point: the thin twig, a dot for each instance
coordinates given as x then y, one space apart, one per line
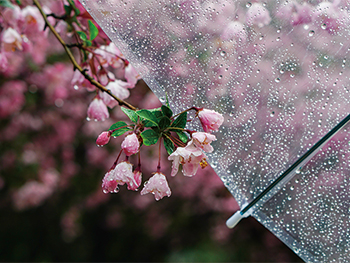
76 64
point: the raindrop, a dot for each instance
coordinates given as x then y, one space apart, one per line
76 87
88 119
324 26
223 53
277 80
248 4
272 114
311 33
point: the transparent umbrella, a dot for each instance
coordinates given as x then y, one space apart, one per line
279 72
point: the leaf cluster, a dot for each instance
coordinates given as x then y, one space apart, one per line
154 124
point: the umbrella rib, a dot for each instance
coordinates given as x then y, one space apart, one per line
289 172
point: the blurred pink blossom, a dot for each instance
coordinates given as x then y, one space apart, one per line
258 15
31 194
158 186
11 40
118 88
131 75
11 97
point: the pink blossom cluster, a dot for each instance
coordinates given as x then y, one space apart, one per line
191 157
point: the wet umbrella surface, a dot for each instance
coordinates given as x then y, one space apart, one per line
279 73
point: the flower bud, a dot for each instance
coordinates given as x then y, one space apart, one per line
103 138
210 120
131 144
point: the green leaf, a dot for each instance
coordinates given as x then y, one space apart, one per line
88 43
183 136
118 125
6 3
82 35
149 116
93 31
149 137
167 99
120 132
169 145
122 128
167 111
181 121
76 10
131 114
164 123
68 9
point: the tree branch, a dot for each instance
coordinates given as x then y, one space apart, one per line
76 64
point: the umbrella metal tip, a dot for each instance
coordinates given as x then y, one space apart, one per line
234 220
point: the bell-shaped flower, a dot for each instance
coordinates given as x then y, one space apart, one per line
120 175
135 184
118 88
210 120
97 110
158 186
190 157
103 138
131 144
203 140
11 40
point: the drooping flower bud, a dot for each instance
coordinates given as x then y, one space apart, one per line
210 120
103 138
158 186
120 175
131 144
97 110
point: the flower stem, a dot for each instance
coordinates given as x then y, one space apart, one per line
160 147
75 63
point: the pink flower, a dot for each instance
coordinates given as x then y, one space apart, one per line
234 31
120 175
3 62
31 194
33 18
158 186
131 144
118 88
97 110
190 157
131 75
211 120
103 138
203 140
135 184
11 40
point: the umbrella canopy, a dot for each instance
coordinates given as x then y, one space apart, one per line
279 73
